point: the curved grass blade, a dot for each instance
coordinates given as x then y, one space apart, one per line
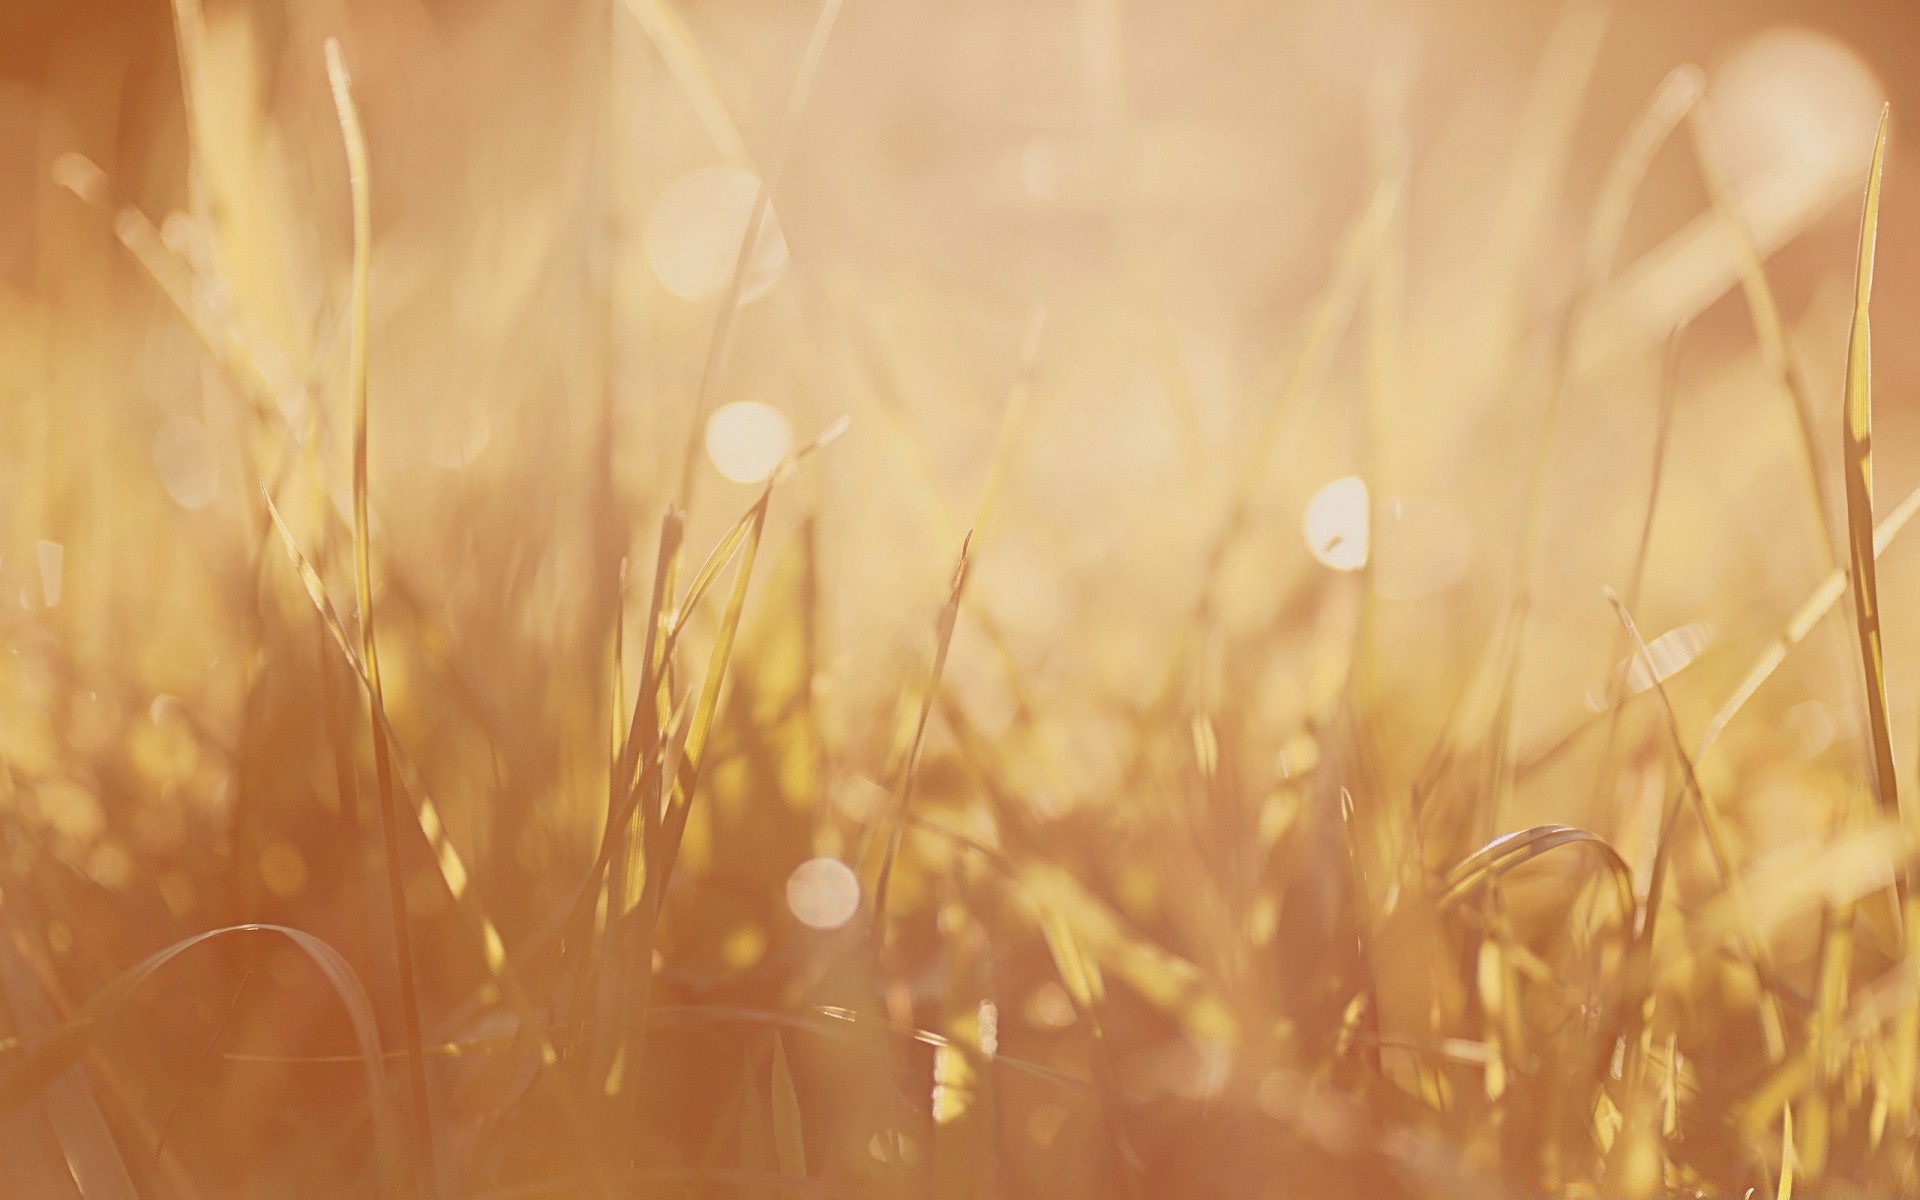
1770 329
1493 860
1672 102
46 1057
1626 174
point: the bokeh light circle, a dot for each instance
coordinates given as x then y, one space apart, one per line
746 440
823 893
1336 524
694 233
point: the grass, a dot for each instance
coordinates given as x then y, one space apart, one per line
992 795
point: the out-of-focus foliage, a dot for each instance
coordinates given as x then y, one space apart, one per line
1224 600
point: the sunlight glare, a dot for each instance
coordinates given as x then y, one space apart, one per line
1669 654
1336 524
823 893
746 440
1793 100
695 230
186 463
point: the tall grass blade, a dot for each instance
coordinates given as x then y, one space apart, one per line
1858 440
910 765
750 242
1858 433
1772 1020
357 174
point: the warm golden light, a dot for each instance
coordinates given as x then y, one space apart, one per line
746 440
52 560
1663 658
1336 524
823 893
695 231
1090 600
1790 99
186 464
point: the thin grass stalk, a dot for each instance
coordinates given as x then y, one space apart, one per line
1772 1019
783 143
1669 394
1626 173
356 147
910 765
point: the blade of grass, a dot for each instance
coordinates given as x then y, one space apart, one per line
674 756
723 552
357 171
1487 864
639 740
1490 690
1626 174
1776 351
1836 937
706 708
674 42
265 380
52 1053
70 1101
1669 395
910 765
680 776
1772 1020
1817 605
446 857
1797 880
533 1031
789 1143
1858 434
1676 97
200 1063
750 241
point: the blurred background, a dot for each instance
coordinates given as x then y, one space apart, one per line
1067 255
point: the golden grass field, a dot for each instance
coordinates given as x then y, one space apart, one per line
709 598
